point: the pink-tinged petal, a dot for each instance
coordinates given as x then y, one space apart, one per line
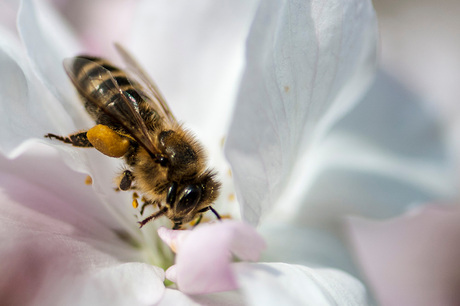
283 284
52 188
8 12
203 262
174 239
53 254
412 259
307 64
100 23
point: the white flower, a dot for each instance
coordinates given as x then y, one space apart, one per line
273 78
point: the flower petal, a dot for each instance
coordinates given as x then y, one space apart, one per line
308 62
23 114
386 156
125 284
412 259
307 246
175 297
99 23
48 41
204 256
8 14
46 261
283 284
51 188
29 109
196 53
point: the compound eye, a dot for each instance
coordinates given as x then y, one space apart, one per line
171 195
189 198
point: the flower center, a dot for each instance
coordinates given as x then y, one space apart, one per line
148 245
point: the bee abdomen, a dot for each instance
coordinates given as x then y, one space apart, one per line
101 80
89 68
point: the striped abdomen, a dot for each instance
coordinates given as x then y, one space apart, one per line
105 83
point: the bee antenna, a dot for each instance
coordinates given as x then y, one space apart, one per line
215 213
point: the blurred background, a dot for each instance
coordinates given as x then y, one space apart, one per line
420 46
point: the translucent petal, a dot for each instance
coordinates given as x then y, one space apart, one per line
308 62
283 284
383 158
386 155
308 246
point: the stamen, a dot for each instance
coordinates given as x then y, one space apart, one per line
135 202
88 180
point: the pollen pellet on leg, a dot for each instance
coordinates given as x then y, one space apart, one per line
107 141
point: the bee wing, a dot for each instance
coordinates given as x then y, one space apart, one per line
151 88
102 90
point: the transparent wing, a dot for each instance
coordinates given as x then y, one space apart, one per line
157 100
97 85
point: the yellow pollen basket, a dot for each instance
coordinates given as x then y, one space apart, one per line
107 141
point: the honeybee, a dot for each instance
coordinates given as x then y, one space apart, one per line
164 161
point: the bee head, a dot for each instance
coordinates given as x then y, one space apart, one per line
186 201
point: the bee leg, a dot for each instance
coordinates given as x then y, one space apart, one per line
177 225
77 140
151 217
146 203
126 180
